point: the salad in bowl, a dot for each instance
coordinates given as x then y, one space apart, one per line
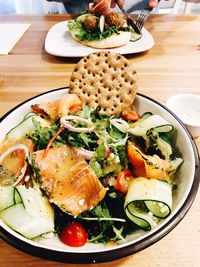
75 181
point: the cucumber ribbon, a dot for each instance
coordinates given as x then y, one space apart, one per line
155 122
26 211
148 200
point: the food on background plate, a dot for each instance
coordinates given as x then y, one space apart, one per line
101 28
84 171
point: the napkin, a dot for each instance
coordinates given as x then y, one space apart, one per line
10 33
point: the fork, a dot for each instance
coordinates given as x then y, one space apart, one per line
128 18
142 17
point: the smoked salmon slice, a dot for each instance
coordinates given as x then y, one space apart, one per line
67 179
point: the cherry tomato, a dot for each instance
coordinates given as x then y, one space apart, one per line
123 180
73 235
131 115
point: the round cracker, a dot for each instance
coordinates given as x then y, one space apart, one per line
105 79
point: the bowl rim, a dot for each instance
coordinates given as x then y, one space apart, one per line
109 255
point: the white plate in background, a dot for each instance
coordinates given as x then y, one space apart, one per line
59 42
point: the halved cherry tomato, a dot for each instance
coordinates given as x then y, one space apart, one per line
122 181
131 115
73 235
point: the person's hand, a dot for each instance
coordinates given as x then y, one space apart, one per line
113 3
152 3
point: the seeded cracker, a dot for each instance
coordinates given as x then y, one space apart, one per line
105 79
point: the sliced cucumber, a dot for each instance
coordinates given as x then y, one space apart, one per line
155 122
174 164
17 218
29 114
164 147
135 36
146 115
82 17
158 208
17 197
101 23
120 124
26 126
140 218
164 128
6 197
21 129
31 218
34 203
147 200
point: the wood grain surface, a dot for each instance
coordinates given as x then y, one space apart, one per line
171 66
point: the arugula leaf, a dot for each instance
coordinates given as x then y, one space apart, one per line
103 230
42 135
101 211
84 140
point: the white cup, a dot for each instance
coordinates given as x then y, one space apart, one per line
187 108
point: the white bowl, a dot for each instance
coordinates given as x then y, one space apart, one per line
187 181
187 108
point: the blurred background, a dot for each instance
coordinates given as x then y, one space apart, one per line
45 7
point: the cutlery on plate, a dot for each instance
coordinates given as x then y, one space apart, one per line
128 18
143 15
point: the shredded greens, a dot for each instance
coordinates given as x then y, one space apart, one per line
41 135
84 34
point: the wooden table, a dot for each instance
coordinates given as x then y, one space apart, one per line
171 66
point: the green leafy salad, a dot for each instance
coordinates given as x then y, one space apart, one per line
84 176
